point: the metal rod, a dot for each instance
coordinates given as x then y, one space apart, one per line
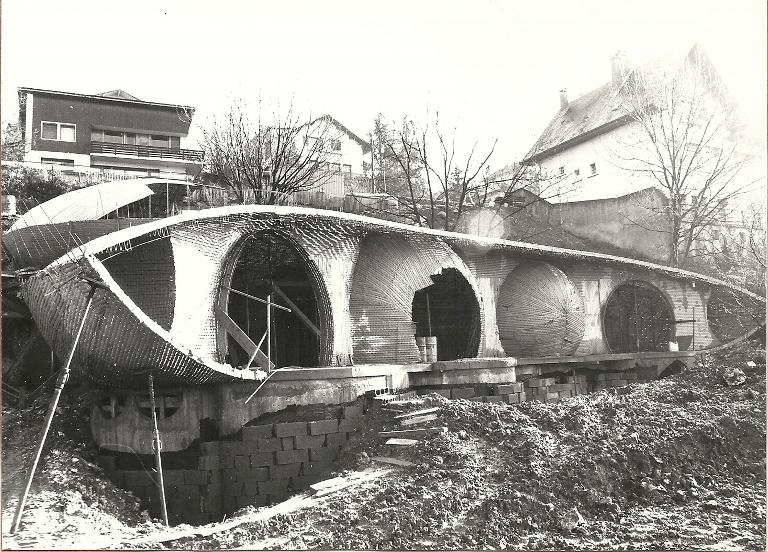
262 384
60 382
260 300
167 200
156 445
269 333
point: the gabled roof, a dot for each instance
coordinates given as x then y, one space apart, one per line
600 110
593 113
118 93
365 145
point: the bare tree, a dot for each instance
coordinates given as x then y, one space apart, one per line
687 145
417 169
427 182
265 161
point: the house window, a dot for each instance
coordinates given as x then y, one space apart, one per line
335 145
54 161
562 170
346 168
64 132
175 142
142 139
593 169
113 137
130 138
335 167
577 172
160 141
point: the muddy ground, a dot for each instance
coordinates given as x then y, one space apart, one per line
674 464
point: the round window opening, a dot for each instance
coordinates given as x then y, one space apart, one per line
637 318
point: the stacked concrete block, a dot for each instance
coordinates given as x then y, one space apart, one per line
463 392
511 393
262 466
610 380
536 389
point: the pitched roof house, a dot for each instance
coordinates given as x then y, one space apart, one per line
585 143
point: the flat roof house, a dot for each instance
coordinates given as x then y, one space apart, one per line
113 131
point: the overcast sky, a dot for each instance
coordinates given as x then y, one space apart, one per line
493 68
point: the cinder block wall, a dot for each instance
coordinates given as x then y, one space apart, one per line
261 465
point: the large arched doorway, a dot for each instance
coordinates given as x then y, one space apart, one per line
271 265
637 318
448 309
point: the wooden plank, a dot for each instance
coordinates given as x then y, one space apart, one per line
333 482
242 339
418 412
401 442
393 461
418 419
420 432
296 310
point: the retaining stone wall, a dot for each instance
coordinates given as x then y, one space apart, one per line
261 466
546 389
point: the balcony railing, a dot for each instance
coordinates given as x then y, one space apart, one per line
196 156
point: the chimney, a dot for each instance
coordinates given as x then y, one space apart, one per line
619 68
563 99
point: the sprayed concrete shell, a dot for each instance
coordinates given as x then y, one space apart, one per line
163 283
539 312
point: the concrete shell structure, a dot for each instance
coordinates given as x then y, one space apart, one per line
539 312
162 302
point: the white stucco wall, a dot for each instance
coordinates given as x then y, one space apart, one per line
606 151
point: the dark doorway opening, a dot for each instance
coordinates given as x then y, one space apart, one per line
637 318
268 259
448 309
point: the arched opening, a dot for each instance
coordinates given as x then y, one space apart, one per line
637 318
272 265
448 309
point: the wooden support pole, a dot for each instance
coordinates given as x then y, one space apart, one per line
156 444
295 309
60 382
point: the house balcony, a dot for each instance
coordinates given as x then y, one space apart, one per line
150 153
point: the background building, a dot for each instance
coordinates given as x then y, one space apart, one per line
113 131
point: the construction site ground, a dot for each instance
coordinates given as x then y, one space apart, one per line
678 463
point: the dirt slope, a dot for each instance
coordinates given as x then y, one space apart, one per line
674 464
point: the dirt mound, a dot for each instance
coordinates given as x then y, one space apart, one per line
71 503
677 463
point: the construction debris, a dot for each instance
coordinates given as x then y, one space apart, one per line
401 442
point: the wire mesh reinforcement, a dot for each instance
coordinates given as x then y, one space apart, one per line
539 312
